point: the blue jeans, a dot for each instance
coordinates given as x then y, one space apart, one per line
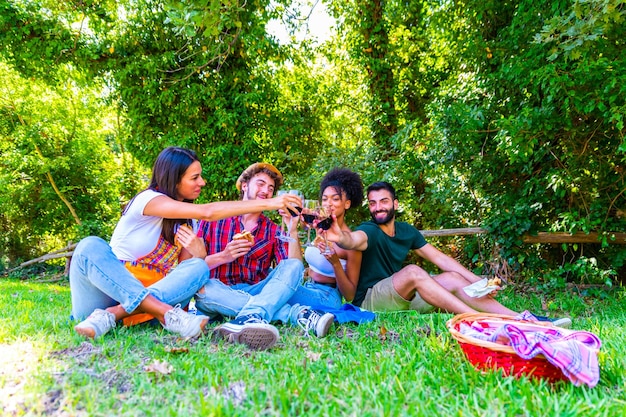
99 280
316 294
268 298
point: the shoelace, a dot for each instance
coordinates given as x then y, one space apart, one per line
103 316
111 320
253 320
307 325
174 317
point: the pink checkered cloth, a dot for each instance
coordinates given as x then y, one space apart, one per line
574 352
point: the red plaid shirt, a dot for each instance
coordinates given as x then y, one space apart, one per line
253 267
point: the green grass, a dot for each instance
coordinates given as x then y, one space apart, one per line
385 368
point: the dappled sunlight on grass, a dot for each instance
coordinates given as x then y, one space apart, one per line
21 364
30 327
400 364
18 361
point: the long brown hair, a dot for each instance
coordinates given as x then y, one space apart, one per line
167 172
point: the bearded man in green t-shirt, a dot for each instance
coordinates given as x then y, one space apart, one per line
386 285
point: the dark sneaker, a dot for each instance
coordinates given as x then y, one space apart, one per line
251 330
98 323
564 322
315 321
185 324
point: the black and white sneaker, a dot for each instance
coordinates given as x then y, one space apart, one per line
251 330
315 321
564 322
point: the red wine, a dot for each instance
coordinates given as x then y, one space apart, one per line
293 213
309 218
326 223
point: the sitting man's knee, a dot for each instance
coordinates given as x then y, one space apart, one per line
415 272
292 265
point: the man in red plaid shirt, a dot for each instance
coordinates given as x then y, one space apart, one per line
254 281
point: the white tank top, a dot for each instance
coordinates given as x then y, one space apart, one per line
318 263
136 234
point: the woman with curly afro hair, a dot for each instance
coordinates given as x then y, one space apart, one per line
336 274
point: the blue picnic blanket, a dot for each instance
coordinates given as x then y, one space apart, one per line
348 313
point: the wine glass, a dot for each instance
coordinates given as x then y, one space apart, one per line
309 215
324 223
299 208
282 235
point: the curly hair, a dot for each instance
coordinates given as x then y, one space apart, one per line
344 181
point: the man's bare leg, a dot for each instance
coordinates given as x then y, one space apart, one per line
412 278
455 283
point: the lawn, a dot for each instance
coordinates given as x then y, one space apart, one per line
400 364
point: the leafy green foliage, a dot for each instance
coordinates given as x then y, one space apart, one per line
34 41
536 139
366 30
507 115
57 171
205 80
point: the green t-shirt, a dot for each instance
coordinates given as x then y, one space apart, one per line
385 255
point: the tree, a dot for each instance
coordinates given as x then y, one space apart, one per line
57 170
534 126
503 114
365 28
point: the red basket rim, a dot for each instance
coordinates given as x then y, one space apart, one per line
485 355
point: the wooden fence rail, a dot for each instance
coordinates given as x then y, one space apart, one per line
454 232
615 238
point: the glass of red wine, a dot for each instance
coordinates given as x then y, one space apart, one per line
282 235
299 208
309 215
324 223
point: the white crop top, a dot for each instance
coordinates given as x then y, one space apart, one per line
318 263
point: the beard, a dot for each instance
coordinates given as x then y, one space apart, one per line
390 214
251 195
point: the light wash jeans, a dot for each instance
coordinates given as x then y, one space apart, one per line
317 295
99 280
268 298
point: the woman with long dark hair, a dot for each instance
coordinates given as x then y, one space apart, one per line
139 271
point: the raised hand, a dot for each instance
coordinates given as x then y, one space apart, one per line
192 243
291 222
289 202
333 232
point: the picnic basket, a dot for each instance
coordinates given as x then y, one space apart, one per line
488 355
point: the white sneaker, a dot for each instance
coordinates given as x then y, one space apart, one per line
186 325
98 323
315 321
